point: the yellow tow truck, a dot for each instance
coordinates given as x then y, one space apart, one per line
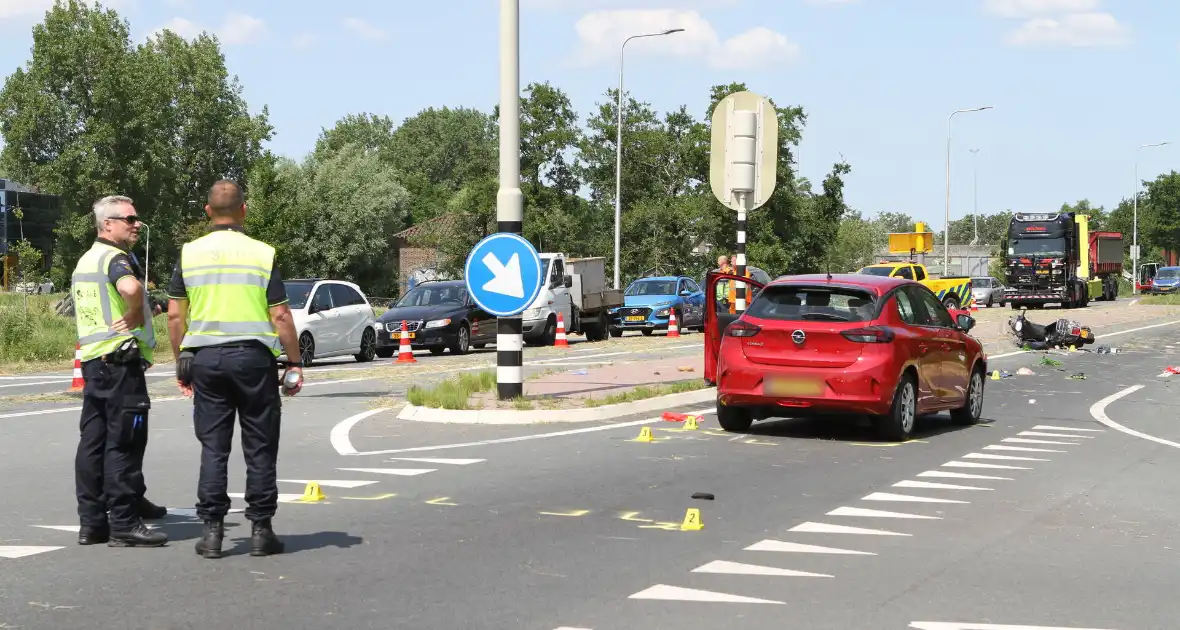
952 291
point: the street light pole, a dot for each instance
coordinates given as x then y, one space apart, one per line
1135 224
975 193
509 199
619 146
946 237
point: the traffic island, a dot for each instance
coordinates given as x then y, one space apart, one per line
573 395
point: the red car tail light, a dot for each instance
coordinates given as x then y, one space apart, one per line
869 334
742 329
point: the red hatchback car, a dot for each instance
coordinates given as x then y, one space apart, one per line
842 344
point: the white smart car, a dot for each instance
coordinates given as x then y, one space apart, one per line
333 318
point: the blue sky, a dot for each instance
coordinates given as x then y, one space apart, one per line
1077 85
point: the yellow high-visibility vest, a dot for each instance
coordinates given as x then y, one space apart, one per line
225 274
98 303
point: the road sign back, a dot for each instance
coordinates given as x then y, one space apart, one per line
504 274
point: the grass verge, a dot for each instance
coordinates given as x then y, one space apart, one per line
1160 300
454 392
647 391
35 338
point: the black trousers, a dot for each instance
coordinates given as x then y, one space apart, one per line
113 435
242 380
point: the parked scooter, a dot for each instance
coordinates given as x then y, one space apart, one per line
1060 334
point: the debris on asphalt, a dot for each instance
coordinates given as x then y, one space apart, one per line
1032 401
579 372
704 496
1045 360
686 368
1025 372
1080 376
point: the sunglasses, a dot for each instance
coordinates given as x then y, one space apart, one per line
130 219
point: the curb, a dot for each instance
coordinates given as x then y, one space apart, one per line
547 416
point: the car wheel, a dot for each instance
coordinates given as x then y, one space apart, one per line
368 346
616 332
306 349
647 332
951 303
734 419
898 425
385 353
462 341
972 408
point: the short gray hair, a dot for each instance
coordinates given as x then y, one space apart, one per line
104 206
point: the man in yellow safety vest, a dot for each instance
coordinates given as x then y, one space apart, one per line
116 342
229 322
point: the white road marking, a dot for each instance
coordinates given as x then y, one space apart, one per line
738 568
62 528
35 383
1098 411
790 547
935 486
957 464
535 436
402 472
1049 427
956 625
339 435
13 552
853 511
1102 336
1007 457
192 512
332 483
825 528
1017 440
905 498
1026 449
284 497
437 460
1057 435
679 593
947 474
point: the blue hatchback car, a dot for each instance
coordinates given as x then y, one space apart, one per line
648 303
1166 281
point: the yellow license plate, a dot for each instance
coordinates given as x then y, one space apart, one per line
398 335
1042 272
792 387
635 318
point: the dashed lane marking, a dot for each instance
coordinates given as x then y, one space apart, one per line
437 460
935 486
905 498
678 593
1017 440
1026 449
738 568
793 547
948 474
958 464
854 511
332 483
12 552
1056 435
1048 427
401 472
1004 457
826 528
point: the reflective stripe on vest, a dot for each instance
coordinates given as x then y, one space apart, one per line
94 294
226 274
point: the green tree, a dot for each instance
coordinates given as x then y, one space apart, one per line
91 115
1163 201
370 131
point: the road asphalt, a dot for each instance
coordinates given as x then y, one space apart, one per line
577 526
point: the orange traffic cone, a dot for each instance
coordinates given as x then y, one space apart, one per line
405 354
673 325
79 382
561 341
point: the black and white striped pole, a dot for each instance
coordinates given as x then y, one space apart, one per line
509 200
743 164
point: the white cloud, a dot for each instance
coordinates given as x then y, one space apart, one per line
237 28
584 5
601 33
364 29
305 41
1080 29
1038 8
35 9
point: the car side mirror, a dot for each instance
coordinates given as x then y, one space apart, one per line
568 282
965 322
685 293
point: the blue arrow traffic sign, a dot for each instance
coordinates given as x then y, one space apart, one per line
504 274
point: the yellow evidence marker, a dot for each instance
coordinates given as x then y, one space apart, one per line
644 435
312 493
692 520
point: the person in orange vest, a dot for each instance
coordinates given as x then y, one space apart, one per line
732 291
722 292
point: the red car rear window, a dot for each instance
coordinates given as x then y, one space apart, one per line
798 303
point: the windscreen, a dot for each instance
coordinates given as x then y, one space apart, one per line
802 303
1047 247
652 287
876 271
434 295
297 293
1172 272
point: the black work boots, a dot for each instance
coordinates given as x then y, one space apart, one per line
209 545
263 541
138 536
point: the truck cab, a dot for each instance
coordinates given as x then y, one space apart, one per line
953 292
